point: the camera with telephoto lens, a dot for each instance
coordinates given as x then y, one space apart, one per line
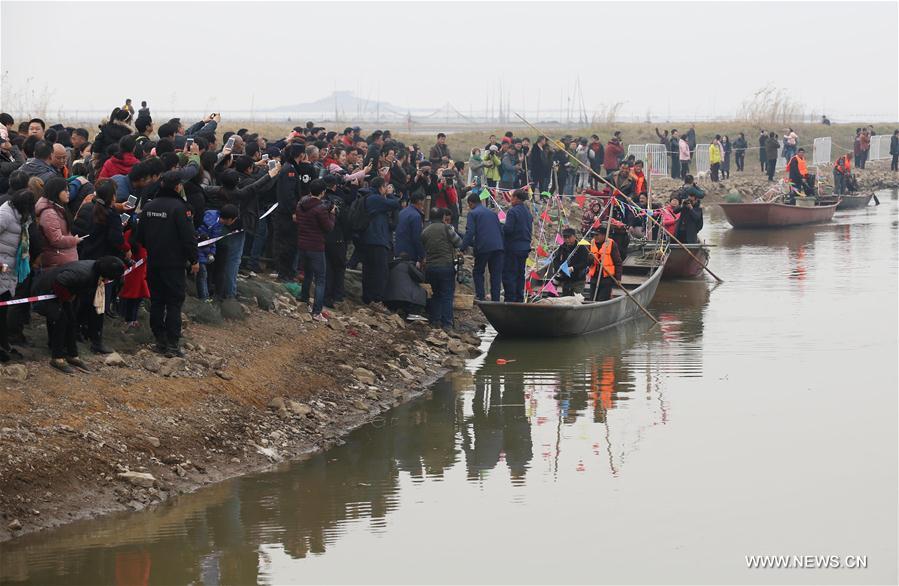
448 173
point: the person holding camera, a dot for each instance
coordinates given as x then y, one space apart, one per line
375 240
441 242
314 218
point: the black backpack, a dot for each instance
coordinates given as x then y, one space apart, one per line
358 216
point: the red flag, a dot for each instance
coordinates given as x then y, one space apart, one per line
541 252
544 216
580 199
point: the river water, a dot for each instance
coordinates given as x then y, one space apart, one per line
760 418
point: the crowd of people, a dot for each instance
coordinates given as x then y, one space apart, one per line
95 223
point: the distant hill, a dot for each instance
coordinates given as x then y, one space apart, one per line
345 102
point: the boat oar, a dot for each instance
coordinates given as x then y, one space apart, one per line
559 145
632 298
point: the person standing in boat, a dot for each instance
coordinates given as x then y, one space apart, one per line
606 265
797 172
690 221
841 171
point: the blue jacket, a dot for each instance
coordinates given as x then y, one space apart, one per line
518 228
378 231
408 234
483 230
122 187
210 228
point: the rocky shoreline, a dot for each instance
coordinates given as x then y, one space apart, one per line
752 183
264 387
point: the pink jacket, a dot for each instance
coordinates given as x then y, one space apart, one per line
669 220
684 150
60 246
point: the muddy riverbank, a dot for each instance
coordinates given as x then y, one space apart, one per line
267 387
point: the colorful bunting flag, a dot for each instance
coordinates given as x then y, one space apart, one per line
502 216
541 252
530 263
544 216
485 194
580 199
583 243
565 268
546 194
551 289
534 276
559 240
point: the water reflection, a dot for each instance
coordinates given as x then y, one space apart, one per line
497 416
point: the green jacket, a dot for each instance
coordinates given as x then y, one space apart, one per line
491 166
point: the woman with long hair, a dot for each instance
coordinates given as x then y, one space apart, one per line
55 223
15 216
100 226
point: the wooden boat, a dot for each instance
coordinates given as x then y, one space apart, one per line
850 202
679 265
550 320
775 215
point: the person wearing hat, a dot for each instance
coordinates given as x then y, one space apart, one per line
606 264
492 164
166 231
68 283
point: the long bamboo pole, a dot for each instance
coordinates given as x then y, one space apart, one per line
629 200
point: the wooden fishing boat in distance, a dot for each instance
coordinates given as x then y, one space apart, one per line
551 320
680 265
775 215
854 202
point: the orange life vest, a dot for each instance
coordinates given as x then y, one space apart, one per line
803 168
843 165
640 185
602 256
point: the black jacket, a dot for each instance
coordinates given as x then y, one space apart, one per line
538 165
66 282
689 224
166 231
103 239
287 192
579 261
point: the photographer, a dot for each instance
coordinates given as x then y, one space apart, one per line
690 222
447 196
315 219
441 242
339 197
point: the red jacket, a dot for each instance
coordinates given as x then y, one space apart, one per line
313 222
134 285
117 166
614 152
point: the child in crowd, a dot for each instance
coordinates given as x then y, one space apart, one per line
134 285
211 227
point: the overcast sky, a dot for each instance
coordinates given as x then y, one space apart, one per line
676 59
